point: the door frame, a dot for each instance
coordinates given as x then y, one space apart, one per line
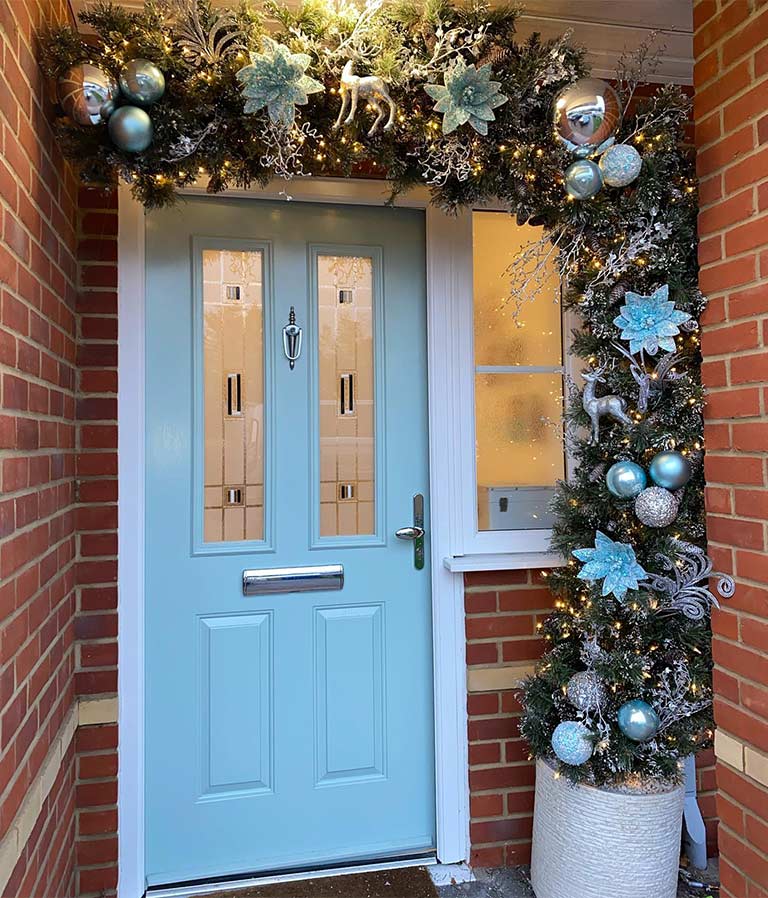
447 313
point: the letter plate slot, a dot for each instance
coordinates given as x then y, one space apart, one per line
308 578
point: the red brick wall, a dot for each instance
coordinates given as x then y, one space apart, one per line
502 609
96 624
731 112
37 437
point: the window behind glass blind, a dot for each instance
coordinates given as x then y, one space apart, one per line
518 383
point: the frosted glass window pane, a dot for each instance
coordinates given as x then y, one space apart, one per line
519 449
532 336
233 400
347 437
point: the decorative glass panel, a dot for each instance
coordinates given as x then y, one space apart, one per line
346 382
233 384
518 382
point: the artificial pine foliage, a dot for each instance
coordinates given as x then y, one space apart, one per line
630 239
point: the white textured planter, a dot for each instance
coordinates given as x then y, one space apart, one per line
588 843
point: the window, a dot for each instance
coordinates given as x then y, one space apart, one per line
518 358
505 383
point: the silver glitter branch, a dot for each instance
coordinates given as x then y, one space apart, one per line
686 590
532 271
445 159
649 235
671 698
285 144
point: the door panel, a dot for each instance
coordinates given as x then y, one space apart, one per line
285 731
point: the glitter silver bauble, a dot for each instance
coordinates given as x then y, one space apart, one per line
83 90
130 129
625 479
620 165
586 114
583 179
638 721
571 742
585 690
656 507
142 82
672 470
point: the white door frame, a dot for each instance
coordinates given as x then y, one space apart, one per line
446 314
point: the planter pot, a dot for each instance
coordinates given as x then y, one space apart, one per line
589 843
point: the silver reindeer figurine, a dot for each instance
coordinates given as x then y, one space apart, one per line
598 406
373 90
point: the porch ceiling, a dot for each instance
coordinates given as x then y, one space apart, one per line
605 27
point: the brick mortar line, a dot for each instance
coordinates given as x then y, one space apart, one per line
29 528
22 569
742 678
42 729
757 718
751 845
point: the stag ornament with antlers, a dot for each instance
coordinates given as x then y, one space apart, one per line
599 406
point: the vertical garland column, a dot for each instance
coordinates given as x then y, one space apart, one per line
623 693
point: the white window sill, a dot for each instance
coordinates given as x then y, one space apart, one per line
507 561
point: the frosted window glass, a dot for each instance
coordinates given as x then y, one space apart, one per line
518 383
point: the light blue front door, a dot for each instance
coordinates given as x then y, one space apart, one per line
294 729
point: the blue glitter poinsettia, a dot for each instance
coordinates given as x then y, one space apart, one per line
277 79
613 563
650 322
468 95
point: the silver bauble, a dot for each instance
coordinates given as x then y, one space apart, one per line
638 721
656 507
585 690
586 114
83 90
671 469
620 165
571 742
625 479
142 82
583 179
130 129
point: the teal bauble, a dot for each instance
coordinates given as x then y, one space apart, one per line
583 179
638 721
571 742
142 82
130 129
670 470
620 165
625 480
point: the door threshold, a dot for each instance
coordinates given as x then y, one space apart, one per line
231 885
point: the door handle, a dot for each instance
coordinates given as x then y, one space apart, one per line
415 533
410 533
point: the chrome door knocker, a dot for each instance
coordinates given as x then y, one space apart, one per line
292 334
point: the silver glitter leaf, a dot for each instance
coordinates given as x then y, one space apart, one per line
686 590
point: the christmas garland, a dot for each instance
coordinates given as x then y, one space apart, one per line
441 95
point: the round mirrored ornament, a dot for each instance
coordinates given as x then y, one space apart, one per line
586 114
585 690
656 507
620 165
638 721
583 179
571 742
671 469
83 91
625 479
142 82
130 129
